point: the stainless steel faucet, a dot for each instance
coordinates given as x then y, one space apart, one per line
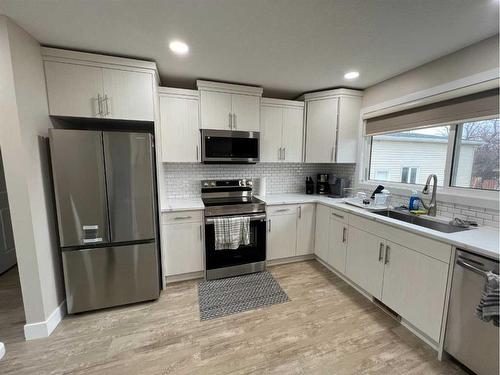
432 207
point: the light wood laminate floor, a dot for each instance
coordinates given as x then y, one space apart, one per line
326 328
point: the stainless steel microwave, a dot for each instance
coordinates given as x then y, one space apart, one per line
227 146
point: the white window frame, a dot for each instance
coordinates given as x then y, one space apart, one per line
446 193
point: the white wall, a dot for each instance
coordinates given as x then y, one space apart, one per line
477 58
24 118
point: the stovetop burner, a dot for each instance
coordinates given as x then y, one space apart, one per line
230 197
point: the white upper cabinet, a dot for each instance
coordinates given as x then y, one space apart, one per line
229 107
216 112
282 128
94 86
332 124
179 125
128 95
321 130
73 90
246 112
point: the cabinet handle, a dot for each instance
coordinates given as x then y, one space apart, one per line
201 237
331 156
337 215
284 153
182 217
197 153
380 250
230 121
279 154
106 99
300 212
234 121
99 105
387 254
270 221
344 237
282 210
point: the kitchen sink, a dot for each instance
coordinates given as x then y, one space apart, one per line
420 221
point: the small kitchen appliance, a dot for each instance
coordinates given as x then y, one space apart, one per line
337 187
322 183
309 185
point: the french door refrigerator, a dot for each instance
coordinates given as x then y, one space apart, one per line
106 210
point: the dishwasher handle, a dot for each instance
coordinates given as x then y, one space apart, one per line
472 268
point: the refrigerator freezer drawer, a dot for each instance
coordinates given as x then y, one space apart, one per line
110 276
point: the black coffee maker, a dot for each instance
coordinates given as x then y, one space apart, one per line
322 183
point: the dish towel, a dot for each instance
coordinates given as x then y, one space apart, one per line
487 309
231 232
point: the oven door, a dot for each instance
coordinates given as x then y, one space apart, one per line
225 146
254 252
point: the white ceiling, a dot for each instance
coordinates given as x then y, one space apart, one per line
286 46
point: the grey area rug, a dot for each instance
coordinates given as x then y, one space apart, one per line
237 294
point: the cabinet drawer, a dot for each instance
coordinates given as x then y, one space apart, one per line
286 209
339 215
181 217
420 243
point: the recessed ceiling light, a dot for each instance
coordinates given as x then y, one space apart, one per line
351 75
178 47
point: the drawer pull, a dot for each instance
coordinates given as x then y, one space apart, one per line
387 254
380 250
283 210
182 217
337 215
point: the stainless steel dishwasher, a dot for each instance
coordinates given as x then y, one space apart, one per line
468 339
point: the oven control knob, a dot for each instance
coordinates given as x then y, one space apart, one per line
205 184
212 183
249 183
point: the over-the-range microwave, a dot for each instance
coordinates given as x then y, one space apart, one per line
228 146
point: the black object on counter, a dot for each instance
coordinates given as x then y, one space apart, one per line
377 191
309 185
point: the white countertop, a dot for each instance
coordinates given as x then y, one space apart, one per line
483 240
182 204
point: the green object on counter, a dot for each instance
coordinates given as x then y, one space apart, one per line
418 212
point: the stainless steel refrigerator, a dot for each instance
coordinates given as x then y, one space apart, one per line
106 210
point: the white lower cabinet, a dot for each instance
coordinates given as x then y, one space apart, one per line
415 287
321 241
281 240
306 228
182 243
365 260
337 250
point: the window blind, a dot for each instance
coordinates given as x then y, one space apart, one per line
459 109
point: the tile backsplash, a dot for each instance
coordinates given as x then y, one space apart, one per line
183 179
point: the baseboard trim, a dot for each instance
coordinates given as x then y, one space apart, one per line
298 258
2 350
43 329
184 277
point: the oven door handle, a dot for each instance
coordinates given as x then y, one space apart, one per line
211 220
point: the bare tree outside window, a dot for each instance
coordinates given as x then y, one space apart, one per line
479 168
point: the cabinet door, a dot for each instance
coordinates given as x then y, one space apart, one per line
246 112
280 241
216 112
73 89
364 261
322 230
347 142
128 95
182 248
321 128
180 133
270 133
306 228
414 287
293 133
337 245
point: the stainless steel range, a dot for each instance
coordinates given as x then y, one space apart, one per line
233 198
